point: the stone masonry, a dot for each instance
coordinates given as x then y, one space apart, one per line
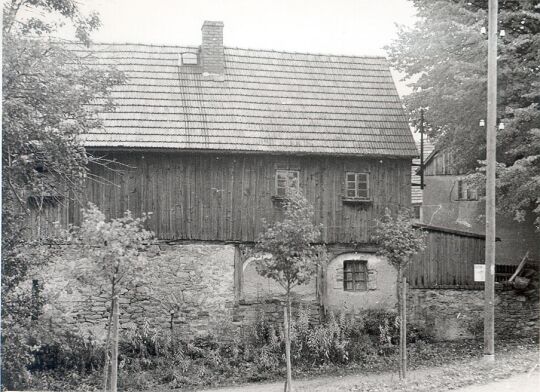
458 314
188 288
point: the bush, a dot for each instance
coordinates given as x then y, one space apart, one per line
151 357
43 356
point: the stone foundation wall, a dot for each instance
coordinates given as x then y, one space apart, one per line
189 288
247 313
459 314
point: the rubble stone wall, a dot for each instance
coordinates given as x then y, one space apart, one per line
459 314
188 287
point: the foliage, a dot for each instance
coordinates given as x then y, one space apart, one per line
43 351
152 357
285 248
445 57
45 108
288 256
156 359
114 250
47 92
398 240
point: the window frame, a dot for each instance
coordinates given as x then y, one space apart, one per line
277 187
356 184
466 192
359 275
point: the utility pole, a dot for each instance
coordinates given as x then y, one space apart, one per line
489 297
422 149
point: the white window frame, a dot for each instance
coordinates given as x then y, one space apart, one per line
356 182
284 174
465 191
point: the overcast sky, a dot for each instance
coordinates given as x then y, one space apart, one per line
355 27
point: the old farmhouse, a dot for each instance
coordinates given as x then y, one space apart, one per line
206 137
209 135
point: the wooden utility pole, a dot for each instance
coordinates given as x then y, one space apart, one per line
422 149
489 312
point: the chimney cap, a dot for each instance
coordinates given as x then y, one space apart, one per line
215 23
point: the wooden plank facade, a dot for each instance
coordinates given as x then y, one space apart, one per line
224 197
447 261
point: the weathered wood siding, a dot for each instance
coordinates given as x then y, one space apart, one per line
442 164
224 197
447 261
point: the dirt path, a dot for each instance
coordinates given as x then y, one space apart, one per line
528 382
427 379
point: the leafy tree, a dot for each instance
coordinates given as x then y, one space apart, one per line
287 255
115 263
398 241
445 57
46 92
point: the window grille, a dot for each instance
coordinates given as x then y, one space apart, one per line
286 179
355 275
357 185
466 191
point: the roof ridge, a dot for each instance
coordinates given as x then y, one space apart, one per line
359 56
308 53
130 43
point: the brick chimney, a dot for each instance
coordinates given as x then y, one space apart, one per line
212 57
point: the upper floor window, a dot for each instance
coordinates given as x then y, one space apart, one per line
355 275
287 179
357 185
466 191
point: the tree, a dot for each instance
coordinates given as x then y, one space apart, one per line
445 55
115 261
287 255
47 90
398 241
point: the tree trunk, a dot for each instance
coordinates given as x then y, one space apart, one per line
403 342
107 350
400 313
287 330
114 355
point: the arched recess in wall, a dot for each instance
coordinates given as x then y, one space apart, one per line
257 288
358 281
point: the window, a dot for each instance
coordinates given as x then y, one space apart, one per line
286 179
39 202
466 191
357 185
355 275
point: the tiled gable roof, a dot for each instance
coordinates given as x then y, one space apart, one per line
266 102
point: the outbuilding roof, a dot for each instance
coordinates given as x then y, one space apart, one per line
266 101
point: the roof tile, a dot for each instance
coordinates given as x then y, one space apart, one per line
269 101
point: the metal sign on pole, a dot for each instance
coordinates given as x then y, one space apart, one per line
489 312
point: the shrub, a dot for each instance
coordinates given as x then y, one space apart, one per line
150 357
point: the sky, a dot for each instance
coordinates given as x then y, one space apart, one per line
349 27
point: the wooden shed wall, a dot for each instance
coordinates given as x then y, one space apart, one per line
224 197
447 261
441 164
